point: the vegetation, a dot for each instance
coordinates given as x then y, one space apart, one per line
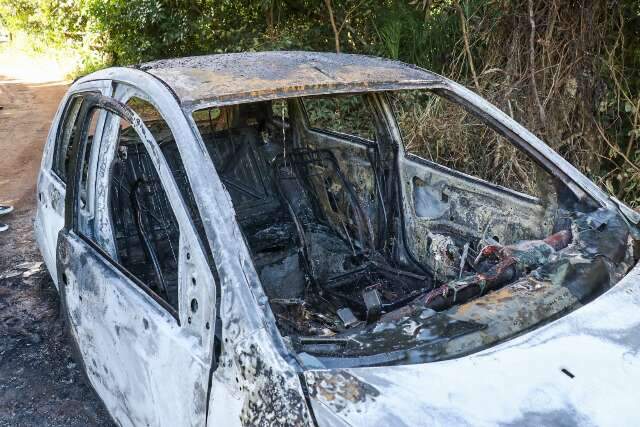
570 71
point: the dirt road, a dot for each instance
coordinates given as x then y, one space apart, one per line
40 385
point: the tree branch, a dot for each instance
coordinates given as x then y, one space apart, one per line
532 65
336 32
467 48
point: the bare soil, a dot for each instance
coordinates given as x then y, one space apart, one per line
40 384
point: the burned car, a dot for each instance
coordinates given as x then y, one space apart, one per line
295 238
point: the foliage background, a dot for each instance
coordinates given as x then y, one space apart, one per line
567 69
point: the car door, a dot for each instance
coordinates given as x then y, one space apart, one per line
464 182
52 180
142 316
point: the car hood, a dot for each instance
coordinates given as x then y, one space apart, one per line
581 369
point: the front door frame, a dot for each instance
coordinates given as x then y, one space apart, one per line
193 330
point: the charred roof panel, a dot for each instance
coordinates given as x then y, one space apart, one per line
243 77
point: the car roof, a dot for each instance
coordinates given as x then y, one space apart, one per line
246 77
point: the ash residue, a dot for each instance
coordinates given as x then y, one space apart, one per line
272 399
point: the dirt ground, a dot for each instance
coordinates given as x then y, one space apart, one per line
40 385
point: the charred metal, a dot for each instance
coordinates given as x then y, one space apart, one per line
230 260
327 221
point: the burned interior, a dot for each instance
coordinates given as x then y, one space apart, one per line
369 254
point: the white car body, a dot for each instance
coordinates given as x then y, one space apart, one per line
156 365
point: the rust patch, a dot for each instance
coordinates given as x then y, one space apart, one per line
340 389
